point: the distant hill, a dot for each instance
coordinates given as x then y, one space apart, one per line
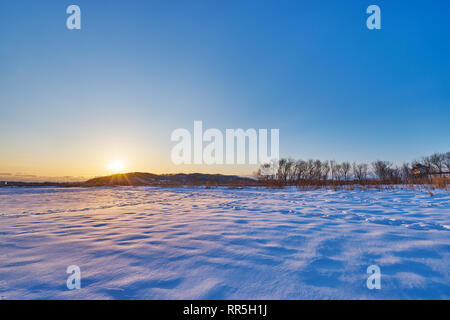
149 179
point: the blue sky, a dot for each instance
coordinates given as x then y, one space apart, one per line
73 100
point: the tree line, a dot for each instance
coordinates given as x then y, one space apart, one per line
287 171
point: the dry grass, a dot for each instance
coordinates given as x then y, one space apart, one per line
440 182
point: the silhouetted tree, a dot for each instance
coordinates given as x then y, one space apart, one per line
382 169
346 167
360 171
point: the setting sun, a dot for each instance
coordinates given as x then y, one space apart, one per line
116 166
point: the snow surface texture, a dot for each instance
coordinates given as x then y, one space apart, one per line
196 243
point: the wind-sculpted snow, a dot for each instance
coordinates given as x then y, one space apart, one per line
196 243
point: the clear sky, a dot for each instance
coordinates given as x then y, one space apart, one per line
73 101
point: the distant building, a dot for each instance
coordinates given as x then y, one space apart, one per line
419 170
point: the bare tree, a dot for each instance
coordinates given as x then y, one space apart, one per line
325 170
333 169
300 171
310 170
382 169
360 171
438 162
406 172
338 172
346 167
395 175
285 170
428 164
317 170
447 161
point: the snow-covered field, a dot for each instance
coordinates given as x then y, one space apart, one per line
196 243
